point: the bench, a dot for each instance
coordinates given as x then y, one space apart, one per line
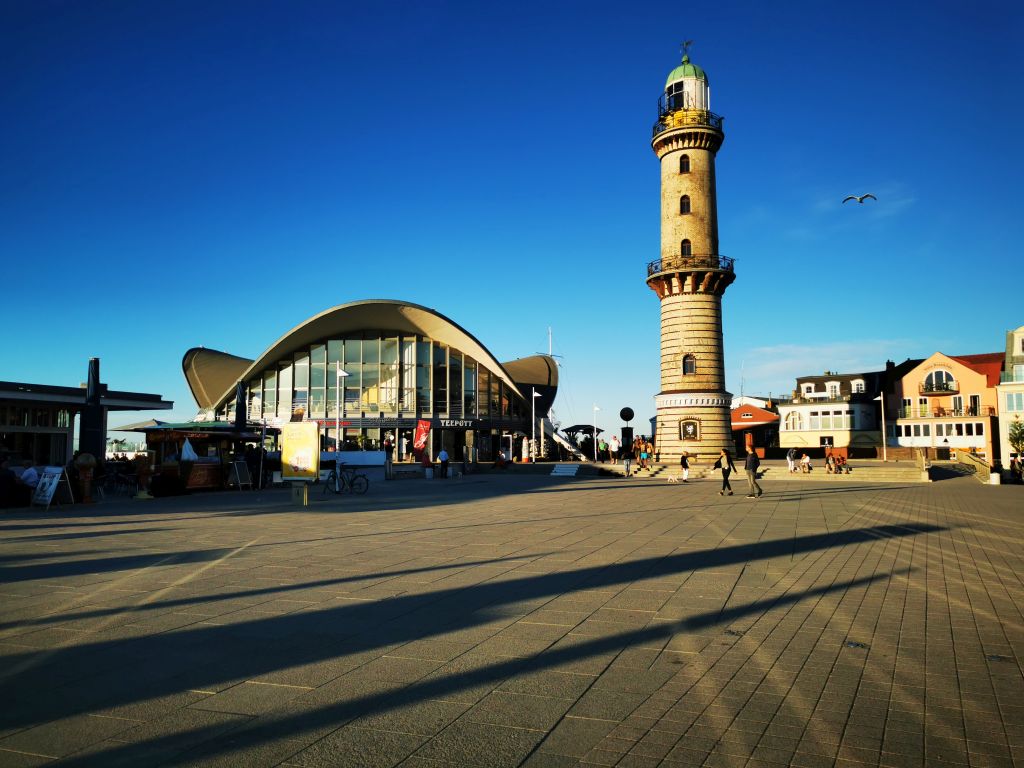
398 471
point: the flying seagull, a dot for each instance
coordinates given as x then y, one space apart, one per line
860 199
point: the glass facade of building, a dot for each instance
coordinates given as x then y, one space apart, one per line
393 381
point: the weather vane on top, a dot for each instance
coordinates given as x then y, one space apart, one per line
685 46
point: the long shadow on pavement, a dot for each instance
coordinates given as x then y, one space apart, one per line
214 742
214 654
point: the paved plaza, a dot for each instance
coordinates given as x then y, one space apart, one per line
519 620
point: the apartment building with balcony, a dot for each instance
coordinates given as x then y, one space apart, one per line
838 412
948 403
1010 391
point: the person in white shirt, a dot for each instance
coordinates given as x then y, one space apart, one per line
613 449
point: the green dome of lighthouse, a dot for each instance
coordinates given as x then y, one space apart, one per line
686 69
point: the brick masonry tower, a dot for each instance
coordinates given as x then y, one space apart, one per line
691 276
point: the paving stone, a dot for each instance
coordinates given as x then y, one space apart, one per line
352 747
519 710
480 744
62 737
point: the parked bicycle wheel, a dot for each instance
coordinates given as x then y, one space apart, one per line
360 484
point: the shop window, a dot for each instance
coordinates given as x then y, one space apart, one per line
469 389
684 204
423 399
684 164
440 378
408 374
455 383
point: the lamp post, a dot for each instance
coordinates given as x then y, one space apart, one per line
533 422
596 409
339 375
885 437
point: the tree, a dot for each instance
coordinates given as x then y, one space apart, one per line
1017 435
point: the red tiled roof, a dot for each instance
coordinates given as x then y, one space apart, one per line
989 363
758 416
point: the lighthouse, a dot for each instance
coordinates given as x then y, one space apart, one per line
691 276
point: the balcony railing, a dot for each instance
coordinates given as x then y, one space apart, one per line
680 118
939 388
685 263
924 412
806 400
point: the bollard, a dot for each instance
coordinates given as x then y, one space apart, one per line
300 494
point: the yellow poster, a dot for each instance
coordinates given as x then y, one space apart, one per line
300 450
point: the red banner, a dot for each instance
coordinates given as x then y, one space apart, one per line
419 441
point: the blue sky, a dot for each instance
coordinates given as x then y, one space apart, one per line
198 173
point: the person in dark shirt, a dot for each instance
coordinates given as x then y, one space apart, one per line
8 485
725 464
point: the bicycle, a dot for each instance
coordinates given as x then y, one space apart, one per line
350 481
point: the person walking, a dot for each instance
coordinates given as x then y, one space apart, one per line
725 464
442 457
750 465
791 460
627 462
684 462
613 449
389 455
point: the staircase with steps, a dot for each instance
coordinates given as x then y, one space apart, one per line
565 470
864 471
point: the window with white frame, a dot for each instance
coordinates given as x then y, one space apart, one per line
1014 401
794 421
832 388
857 386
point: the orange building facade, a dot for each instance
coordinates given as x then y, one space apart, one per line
948 403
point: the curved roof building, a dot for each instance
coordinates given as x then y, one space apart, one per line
400 363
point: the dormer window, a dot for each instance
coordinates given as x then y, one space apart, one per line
832 388
857 386
684 204
808 389
684 164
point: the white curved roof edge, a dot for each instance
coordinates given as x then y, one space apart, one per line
379 314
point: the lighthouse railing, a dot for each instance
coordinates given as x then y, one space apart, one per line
698 261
